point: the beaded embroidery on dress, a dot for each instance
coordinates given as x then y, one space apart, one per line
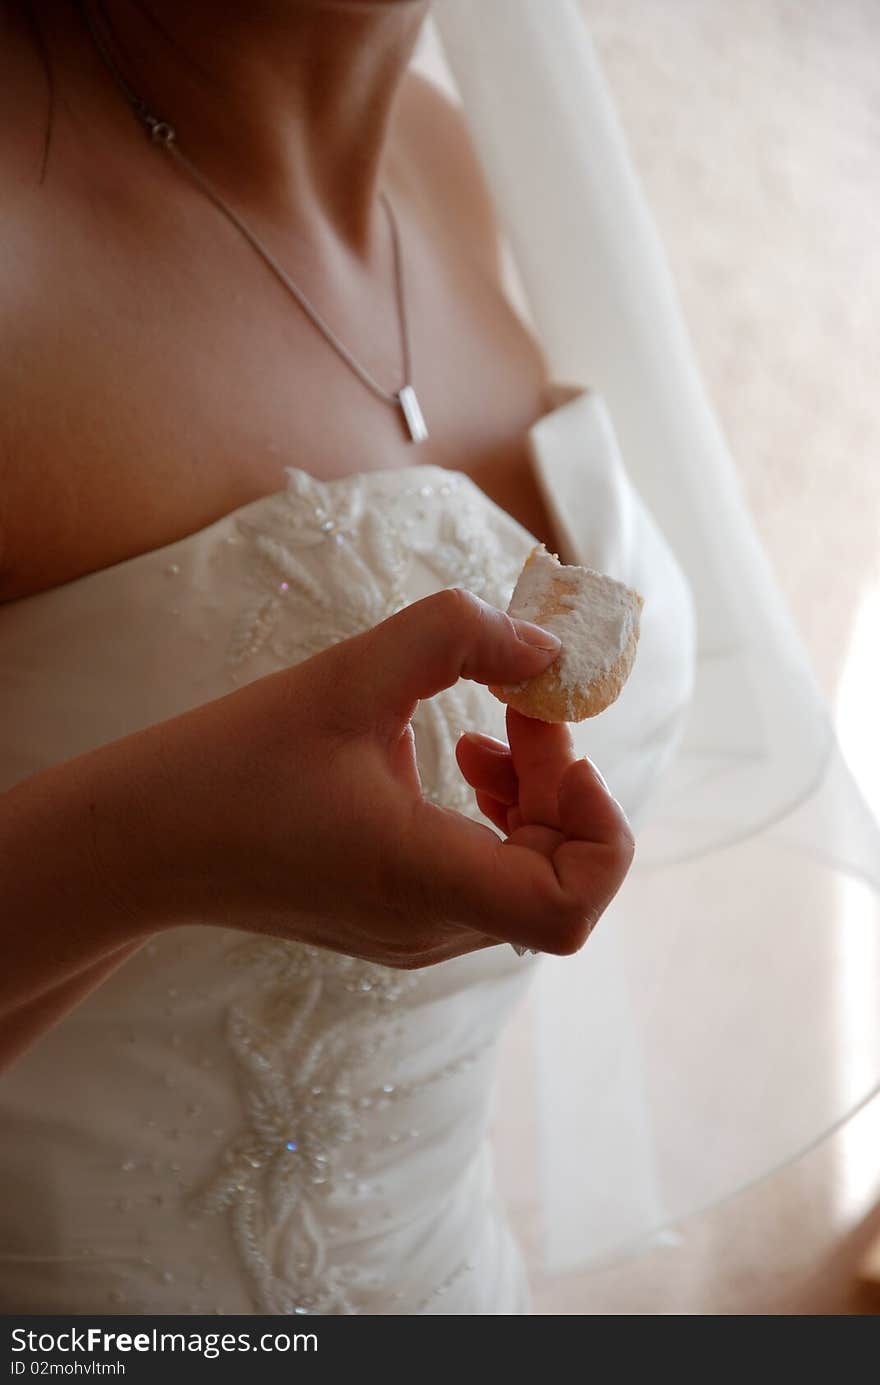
374 532
298 1076
282 1129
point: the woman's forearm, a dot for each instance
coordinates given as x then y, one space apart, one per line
74 850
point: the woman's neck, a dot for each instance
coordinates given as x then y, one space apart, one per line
285 104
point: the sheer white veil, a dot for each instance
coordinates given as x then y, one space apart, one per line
725 1014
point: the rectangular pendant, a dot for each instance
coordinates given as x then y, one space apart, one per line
409 407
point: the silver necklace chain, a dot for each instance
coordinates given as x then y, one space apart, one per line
164 134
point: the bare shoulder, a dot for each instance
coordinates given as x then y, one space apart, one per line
433 130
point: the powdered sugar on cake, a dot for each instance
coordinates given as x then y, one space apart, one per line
597 621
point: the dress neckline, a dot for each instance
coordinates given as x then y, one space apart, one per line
559 398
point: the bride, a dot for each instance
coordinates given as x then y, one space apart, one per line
255 918
264 832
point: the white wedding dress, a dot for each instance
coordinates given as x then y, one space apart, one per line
239 1124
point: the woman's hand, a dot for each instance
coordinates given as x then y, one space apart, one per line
517 785
293 806
523 788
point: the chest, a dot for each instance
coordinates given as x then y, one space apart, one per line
151 394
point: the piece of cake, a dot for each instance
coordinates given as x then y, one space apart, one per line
597 620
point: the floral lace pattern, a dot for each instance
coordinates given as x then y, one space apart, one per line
329 561
364 582
324 563
303 1112
299 1113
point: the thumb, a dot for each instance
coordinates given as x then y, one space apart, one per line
432 643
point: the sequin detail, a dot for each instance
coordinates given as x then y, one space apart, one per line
320 563
300 603
304 1107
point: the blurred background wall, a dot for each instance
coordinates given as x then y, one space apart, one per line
755 127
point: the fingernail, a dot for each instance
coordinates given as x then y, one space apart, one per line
537 636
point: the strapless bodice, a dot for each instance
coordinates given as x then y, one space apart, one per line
245 1124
